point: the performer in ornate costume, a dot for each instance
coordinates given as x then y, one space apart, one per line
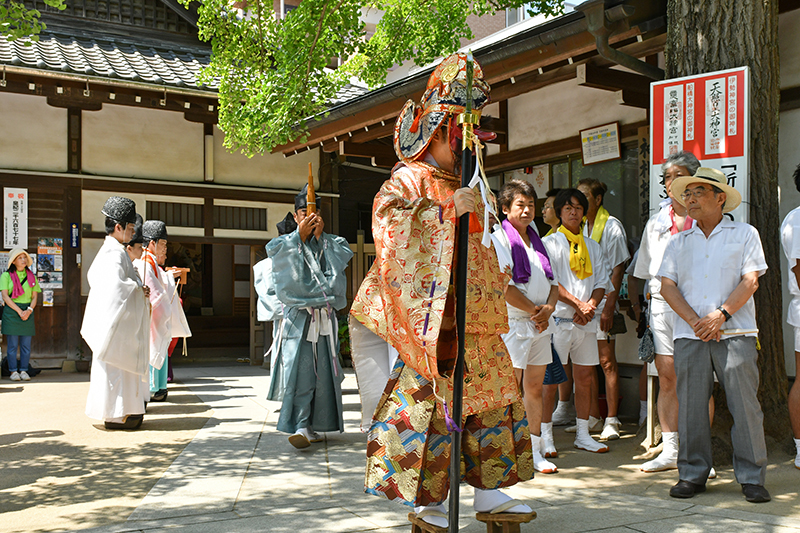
308 276
403 323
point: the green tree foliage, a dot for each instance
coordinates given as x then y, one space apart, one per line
17 21
272 74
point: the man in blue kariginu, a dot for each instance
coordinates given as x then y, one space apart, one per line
308 274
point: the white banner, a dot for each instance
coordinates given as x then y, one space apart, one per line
708 115
15 218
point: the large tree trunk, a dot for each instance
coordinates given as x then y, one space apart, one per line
721 34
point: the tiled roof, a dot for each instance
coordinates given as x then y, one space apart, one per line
174 66
108 58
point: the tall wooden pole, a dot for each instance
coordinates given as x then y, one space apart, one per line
461 307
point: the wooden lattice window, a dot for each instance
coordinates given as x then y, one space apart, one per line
247 218
175 214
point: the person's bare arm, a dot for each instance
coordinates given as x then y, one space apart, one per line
515 297
542 316
9 302
710 326
607 318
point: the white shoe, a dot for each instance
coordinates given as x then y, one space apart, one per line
24 376
561 416
595 425
584 441
540 464
668 458
712 474
548 445
15 376
797 461
494 501
435 515
610 429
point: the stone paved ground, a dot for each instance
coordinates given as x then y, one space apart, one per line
210 460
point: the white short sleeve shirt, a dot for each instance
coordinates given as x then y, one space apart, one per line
708 270
558 249
613 243
790 241
537 288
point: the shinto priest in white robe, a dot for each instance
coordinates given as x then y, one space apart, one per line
116 326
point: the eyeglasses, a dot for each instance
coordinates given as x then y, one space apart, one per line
697 193
546 207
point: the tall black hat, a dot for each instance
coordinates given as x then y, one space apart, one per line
120 209
154 230
287 225
301 200
137 230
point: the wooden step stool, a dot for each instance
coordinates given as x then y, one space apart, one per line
421 526
504 522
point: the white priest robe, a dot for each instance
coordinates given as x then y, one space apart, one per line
179 327
161 302
116 326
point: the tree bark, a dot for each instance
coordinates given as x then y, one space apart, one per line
716 35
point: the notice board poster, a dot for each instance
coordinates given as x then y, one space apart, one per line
600 144
708 115
50 263
15 218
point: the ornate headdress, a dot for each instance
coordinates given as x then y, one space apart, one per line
446 94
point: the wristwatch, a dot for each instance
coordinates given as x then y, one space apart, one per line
724 312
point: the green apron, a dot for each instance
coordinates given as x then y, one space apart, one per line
14 325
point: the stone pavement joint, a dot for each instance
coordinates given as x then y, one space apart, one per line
238 473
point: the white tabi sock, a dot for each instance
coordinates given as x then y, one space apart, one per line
797 459
437 521
487 500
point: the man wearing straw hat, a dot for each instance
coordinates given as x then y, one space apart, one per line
709 275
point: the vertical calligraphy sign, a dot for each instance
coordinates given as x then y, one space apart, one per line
708 115
15 218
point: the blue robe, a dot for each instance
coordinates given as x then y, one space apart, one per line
309 280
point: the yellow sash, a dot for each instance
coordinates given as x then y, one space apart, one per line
599 224
552 231
579 261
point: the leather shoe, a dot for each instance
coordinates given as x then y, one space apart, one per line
685 489
755 493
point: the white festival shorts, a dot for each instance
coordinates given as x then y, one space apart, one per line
662 325
525 345
576 344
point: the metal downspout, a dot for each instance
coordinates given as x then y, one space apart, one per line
596 17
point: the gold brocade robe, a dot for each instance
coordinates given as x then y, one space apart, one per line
402 298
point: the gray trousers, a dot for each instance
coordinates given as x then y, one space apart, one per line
734 361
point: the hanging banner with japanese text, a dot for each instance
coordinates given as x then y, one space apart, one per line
708 115
15 218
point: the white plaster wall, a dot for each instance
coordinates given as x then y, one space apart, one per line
789 46
142 143
36 134
561 110
268 170
92 202
789 198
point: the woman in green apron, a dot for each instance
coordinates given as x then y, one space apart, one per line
19 288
